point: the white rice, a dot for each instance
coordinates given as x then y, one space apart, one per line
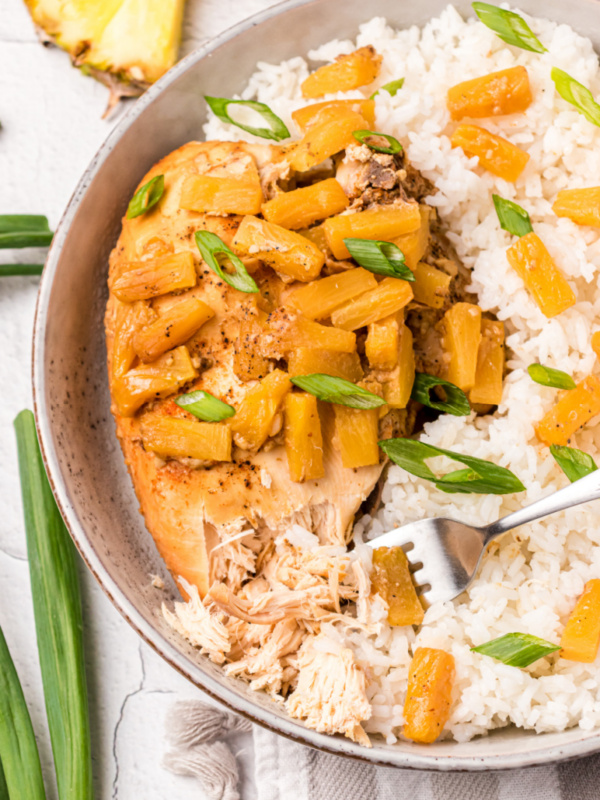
532 578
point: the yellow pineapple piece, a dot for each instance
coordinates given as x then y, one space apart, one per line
574 409
414 245
131 317
383 341
505 92
490 364
301 207
326 137
431 286
356 435
462 336
248 363
173 437
392 581
311 361
258 416
287 331
347 72
580 205
389 296
497 155
316 235
318 299
397 386
385 224
142 280
205 193
305 117
303 438
172 328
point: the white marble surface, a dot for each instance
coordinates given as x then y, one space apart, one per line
51 128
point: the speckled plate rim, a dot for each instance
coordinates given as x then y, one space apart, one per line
418 758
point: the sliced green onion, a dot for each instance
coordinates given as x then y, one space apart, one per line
277 129
18 749
205 406
3 786
574 463
577 94
513 218
7 270
211 246
456 401
363 137
337 390
383 258
58 619
391 88
146 197
480 477
510 27
24 230
517 649
548 376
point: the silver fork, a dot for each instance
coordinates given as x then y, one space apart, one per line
444 554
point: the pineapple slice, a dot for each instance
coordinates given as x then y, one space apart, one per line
347 72
206 193
356 435
571 412
125 44
490 364
497 155
143 280
580 205
172 437
462 336
303 438
389 296
391 580
311 361
414 245
385 223
397 387
383 341
131 317
431 286
248 363
331 132
286 331
258 416
320 298
304 117
172 328
505 92
301 207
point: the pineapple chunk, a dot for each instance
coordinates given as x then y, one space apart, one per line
248 363
385 224
490 364
389 296
326 137
222 196
534 264
383 342
596 343
580 205
347 72
142 280
397 387
258 416
317 236
493 95
356 435
304 117
130 319
301 207
414 245
288 253
429 694
303 438
391 580
462 336
495 154
321 297
172 328
173 437
286 331
153 381
572 411
309 361
431 286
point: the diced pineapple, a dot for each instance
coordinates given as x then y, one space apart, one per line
397 386
356 436
321 297
142 280
383 341
385 224
287 331
429 694
301 207
534 264
347 72
490 364
173 437
389 296
580 205
414 245
152 381
303 438
223 196
596 343
391 580
258 416
316 235
172 328
248 363
131 317
305 117
462 336
311 361
493 95
431 286
495 154
572 411
286 252
326 137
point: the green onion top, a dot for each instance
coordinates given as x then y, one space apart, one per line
577 94
276 129
479 477
146 197
548 376
456 401
372 140
510 27
383 258
391 88
517 649
211 246
574 463
513 218
337 390
24 230
205 406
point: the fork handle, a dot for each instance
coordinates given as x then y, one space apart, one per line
581 491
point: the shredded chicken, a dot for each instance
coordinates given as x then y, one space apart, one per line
199 625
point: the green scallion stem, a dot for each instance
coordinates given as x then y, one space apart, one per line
58 619
6 270
3 786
